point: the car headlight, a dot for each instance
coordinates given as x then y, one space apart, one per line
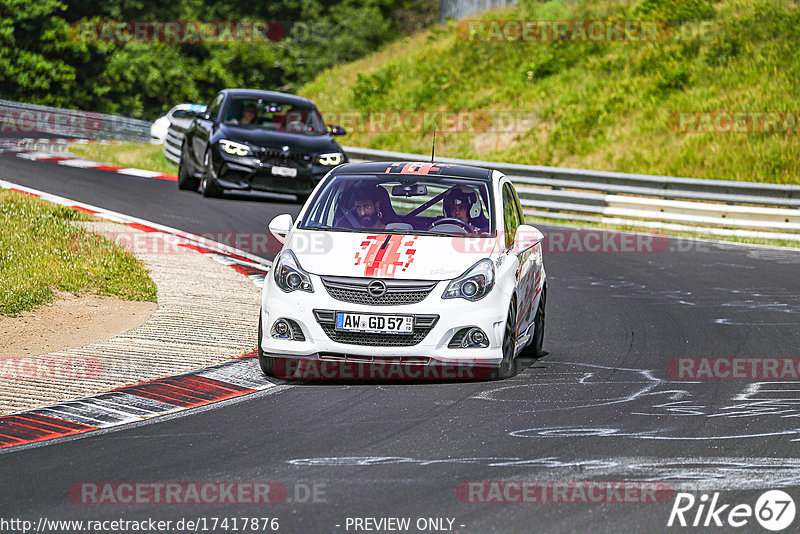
232 147
289 275
473 284
332 159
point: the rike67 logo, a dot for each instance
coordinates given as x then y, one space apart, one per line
774 510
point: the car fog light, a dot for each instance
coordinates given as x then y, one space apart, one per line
281 328
477 337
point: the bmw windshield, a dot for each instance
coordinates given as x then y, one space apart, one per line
274 115
430 205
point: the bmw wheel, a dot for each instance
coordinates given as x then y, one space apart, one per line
185 180
209 186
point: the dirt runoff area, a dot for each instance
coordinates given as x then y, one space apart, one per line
70 321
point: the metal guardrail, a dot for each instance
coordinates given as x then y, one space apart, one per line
716 207
21 118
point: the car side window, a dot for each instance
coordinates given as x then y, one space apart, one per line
520 213
216 105
511 215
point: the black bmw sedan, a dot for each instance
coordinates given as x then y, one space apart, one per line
258 140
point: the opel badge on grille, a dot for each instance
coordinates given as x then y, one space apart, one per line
376 288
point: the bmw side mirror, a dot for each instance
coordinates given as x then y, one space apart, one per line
281 225
526 237
337 130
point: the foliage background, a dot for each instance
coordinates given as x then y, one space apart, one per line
42 61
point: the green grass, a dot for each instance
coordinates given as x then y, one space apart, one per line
604 106
136 155
41 250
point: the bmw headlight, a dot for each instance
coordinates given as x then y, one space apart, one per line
289 275
332 159
234 148
473 284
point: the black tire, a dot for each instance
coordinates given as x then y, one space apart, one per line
301 199
267 363
185 180
534 348
209 186
508 365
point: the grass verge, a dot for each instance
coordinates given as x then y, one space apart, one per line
41 250
136 155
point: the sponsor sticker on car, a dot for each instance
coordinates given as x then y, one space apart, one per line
374 324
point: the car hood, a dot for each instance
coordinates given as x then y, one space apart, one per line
266 138
382 255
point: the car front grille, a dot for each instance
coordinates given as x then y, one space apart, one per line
423 324
398 292
276 156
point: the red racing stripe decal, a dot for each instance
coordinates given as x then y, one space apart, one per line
383 254
377 253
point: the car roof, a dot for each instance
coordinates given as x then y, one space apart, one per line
267 95
414 168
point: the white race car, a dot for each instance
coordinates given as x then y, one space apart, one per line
405 264
159 128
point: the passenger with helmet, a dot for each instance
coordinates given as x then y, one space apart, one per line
461 202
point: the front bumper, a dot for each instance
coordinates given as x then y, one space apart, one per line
247 173
452 315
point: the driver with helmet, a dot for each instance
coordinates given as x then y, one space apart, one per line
461 202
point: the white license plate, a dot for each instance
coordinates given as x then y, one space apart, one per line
284 171
374 324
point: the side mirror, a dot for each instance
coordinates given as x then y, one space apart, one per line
281 225
337 130
526 237
204 115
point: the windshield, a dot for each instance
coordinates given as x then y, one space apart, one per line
433 205
274 115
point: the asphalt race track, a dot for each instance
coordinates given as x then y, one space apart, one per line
600 406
